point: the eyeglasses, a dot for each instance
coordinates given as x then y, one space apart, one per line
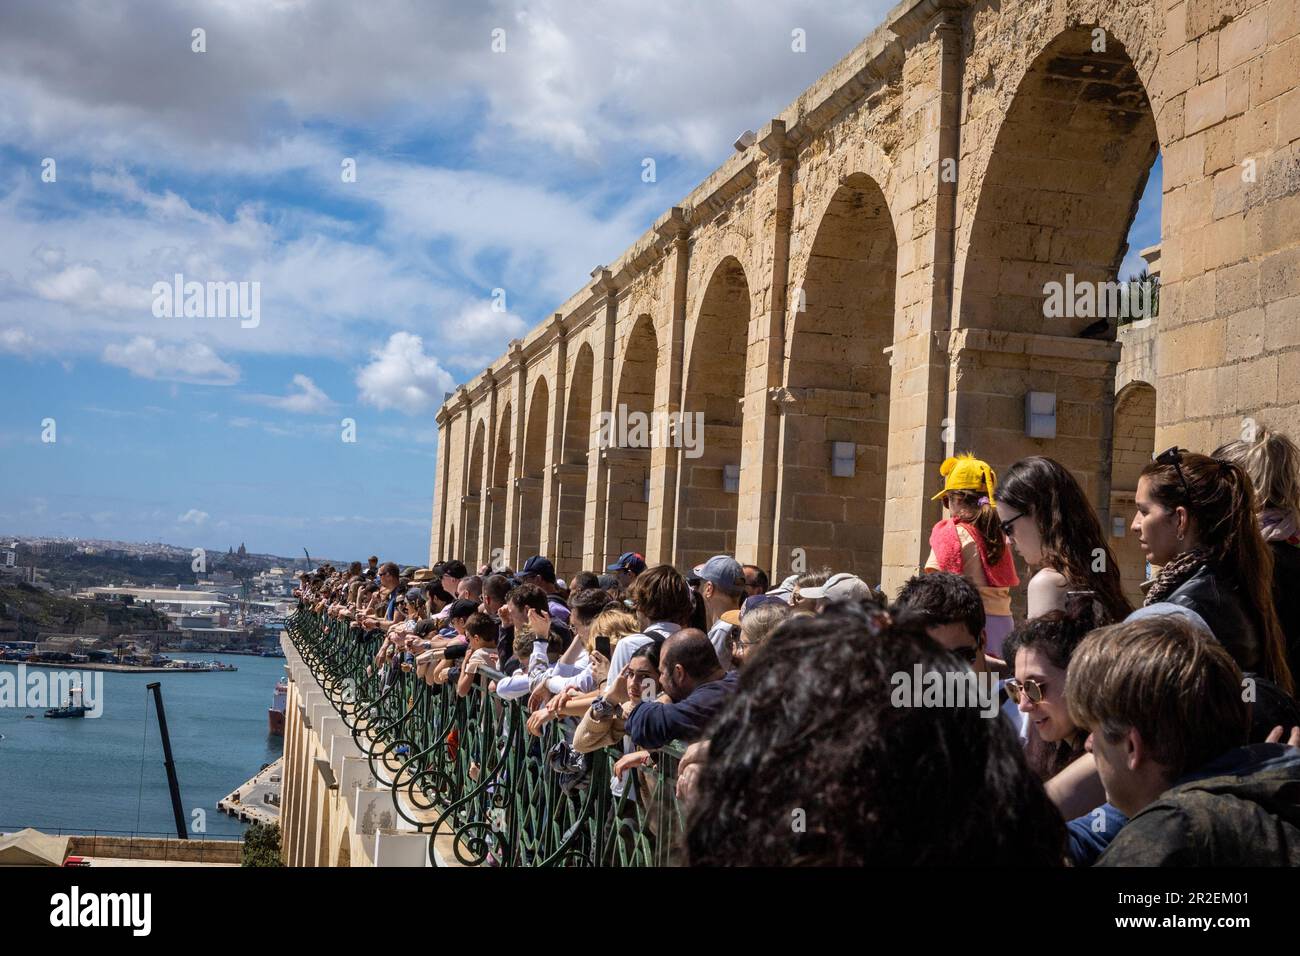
1009 524
1174 456
1030 688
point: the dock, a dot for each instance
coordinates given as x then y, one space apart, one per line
258 799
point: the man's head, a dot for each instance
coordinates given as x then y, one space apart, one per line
471 587
661 594
374 562
627 568
686 661
755 580
722 582
495 589
540 571
452 572
1160 698
523 598
952 611
389 575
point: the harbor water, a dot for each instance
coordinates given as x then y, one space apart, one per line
85 775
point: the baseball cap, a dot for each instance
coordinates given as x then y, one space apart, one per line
721 570
628 561
541 566
785 591
839 587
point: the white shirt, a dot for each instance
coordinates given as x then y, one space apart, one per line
629 645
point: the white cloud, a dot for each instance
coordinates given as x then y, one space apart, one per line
191 362
194 517
400 375
18 341
307 398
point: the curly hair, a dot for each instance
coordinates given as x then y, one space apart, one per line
811 764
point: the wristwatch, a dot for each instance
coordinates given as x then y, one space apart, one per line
601 709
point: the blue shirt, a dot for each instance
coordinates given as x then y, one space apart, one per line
652 724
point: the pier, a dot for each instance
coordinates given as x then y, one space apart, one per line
257 800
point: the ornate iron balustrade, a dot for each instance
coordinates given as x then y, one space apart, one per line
466 770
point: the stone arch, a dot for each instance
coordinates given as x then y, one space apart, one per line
572 485
626 447
710 433
496 535
533 471
837 382
1132 445
471 509
1060 188
1041 261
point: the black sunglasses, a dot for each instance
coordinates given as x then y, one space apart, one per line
1174 456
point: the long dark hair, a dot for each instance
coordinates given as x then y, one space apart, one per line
1219 496
1067 524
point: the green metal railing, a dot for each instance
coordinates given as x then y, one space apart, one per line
466 771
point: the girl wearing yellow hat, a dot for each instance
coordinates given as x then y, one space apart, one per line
970 542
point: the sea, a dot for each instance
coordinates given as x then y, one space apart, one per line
107 774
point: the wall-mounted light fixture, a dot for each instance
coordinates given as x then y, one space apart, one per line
1040 414
844 459
731 479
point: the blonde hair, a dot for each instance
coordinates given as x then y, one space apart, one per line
615 623
1273 463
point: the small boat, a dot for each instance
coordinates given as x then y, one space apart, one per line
74 706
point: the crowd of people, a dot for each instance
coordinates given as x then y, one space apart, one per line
1167 734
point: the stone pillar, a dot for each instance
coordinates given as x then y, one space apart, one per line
519 416
605 293
555 443
756 537
486 530
919 401
661 512
439 487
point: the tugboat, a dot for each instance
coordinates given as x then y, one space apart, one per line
275 713
74 706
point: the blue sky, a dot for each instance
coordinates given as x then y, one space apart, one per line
476 170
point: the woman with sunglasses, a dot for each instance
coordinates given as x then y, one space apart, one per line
970 542
1196 521
1039 650
1054 528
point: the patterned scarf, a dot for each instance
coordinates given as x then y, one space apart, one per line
1173 574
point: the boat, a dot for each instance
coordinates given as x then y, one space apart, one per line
74 706
275 713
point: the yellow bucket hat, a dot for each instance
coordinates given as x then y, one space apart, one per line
967 473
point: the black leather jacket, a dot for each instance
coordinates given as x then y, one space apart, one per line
1216 600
